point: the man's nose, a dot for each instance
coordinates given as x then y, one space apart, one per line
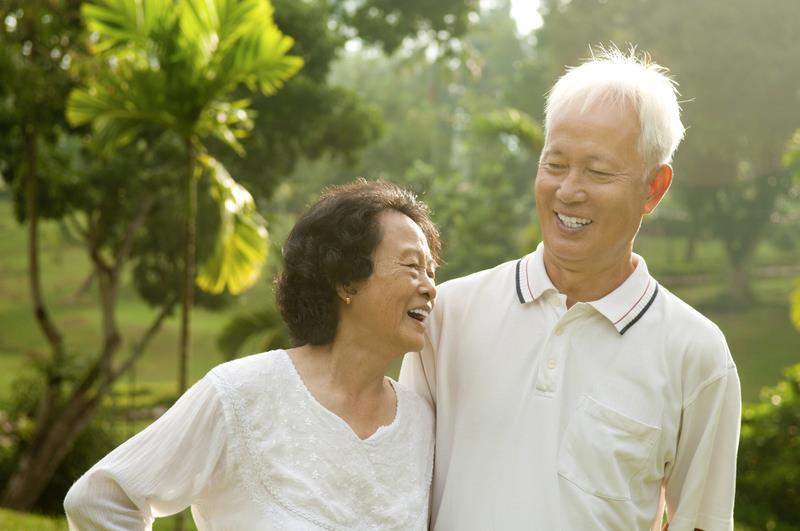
571 188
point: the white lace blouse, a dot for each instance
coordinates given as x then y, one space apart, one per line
248 447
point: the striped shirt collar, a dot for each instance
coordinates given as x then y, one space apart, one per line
623 307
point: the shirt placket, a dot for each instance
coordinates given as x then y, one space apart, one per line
551 363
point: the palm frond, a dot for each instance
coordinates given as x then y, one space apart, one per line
122 22
228 122
262 327
241 248
119 107
176 62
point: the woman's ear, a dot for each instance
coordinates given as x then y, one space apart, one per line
346 292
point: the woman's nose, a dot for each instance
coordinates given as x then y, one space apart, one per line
428 287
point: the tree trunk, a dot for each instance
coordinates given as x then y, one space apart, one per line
691 247
188 279
55 436
60 420
188 287
46 452
739 288
16 492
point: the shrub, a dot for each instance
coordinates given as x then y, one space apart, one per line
16 425
768 476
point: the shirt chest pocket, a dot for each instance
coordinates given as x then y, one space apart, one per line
603 450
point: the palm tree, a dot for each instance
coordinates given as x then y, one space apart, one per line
165 66
171 67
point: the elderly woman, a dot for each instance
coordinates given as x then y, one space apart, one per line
315 437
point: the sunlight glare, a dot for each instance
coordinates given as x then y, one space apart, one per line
526 14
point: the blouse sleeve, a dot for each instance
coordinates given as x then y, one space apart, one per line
158 472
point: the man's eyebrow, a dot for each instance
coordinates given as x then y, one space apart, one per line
598 158
551 151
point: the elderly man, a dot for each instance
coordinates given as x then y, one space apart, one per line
572 391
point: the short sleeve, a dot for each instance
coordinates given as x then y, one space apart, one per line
158 472
701 484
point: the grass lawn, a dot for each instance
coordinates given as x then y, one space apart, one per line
29 522
12 520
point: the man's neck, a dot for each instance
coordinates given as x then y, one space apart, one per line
582 283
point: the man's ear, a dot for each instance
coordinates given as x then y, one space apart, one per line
657 187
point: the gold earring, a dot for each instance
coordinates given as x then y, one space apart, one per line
348 300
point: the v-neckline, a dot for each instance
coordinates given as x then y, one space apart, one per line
379 431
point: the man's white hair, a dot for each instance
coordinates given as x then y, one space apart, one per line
612 76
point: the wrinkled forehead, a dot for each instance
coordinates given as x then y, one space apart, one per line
403 234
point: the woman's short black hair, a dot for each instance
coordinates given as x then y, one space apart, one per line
332 244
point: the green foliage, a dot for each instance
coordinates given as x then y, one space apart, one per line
791 159
451 135
261 329
38 49
241 248
388 22
794 301
768 475
16 430
172 66
510 123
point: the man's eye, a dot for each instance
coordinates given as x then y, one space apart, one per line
554 166
600 173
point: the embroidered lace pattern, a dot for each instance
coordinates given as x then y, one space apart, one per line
291 451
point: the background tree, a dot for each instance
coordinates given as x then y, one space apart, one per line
767 490
453 135
791 160
60 416
174 67
35 56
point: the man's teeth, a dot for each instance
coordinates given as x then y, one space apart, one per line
418 314
573 223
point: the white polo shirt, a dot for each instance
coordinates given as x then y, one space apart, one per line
581 419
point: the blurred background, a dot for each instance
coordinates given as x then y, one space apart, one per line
135 140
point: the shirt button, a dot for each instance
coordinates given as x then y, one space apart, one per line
551 364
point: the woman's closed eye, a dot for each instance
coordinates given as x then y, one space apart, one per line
421 269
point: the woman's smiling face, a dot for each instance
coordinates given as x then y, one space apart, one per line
392 304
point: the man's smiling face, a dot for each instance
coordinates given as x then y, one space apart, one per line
591 190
